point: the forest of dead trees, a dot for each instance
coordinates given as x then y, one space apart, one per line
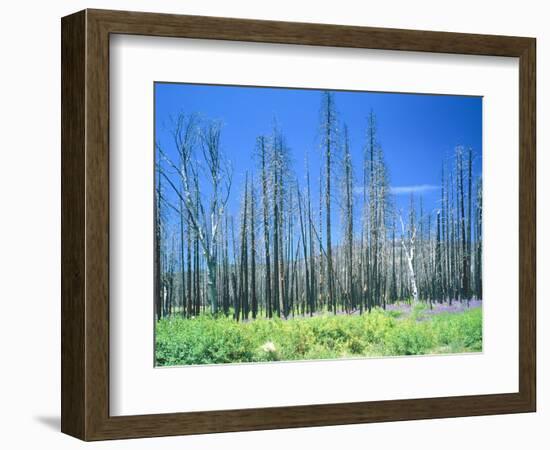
287 251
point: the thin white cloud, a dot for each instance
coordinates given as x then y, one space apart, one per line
414 189
402 190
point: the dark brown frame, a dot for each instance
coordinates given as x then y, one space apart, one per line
85 224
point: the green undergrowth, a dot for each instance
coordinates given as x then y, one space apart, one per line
213 340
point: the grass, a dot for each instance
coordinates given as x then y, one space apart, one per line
213 340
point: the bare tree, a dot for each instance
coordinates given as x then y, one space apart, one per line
348 221
254 297
309 295
243 276
205 214
329 143
408 243
262 149
158 239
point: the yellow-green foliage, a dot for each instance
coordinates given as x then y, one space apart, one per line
212 340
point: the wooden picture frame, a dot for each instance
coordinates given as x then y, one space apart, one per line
85 224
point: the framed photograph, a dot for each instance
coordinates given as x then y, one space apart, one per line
272 225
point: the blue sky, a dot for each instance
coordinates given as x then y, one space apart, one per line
417 132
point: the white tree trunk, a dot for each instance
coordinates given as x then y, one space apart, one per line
411 274
410 257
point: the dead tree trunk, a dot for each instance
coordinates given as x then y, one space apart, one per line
408 248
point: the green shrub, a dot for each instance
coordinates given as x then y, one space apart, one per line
213 340
410 338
